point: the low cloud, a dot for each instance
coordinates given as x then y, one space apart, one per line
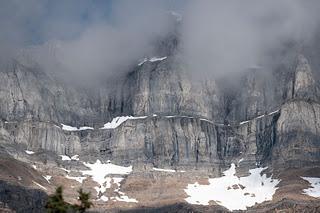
223 37
83 37
94 38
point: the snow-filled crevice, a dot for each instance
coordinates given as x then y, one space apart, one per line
116 122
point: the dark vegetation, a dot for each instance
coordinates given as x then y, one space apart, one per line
56 203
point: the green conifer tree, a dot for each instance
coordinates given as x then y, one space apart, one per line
56 203
85 203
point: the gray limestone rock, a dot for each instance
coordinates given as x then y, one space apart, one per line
265 118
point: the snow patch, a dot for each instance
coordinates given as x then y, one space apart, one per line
314 191
71 128
143 61
164 170
232 192
167 170
154 59
271 113
75 157
65 157
85 128
178 116
260 116
99 172
170 116
116 122
243 122
29 152
125 198
47 177
104 198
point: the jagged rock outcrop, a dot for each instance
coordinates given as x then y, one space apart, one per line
304 86
163 87
297 127
298 134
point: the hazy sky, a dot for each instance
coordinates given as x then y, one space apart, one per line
107 36
229 36
82 36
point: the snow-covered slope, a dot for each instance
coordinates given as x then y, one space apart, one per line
232 192
314 190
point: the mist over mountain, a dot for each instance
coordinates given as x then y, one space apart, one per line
160 106
111 37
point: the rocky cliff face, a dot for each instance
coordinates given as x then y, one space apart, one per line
187 123
266 118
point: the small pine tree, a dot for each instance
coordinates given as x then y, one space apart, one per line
84 201
56 203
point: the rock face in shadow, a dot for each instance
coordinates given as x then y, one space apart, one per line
21 199
17 182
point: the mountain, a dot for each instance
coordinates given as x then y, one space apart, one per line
158 139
